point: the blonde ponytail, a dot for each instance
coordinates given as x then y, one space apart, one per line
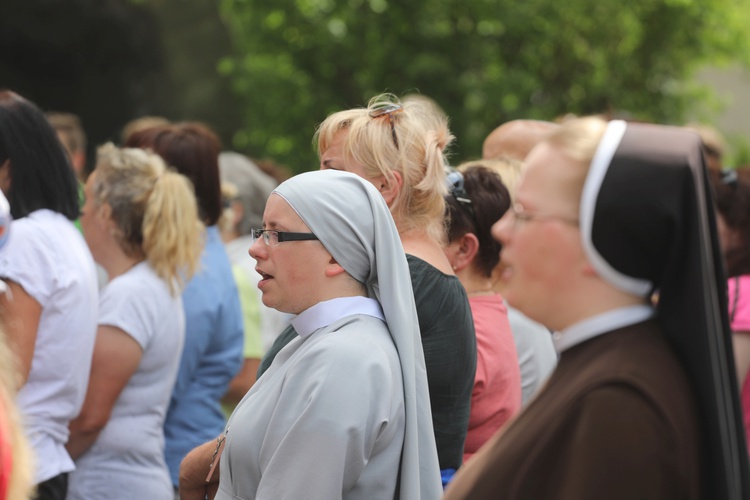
171 230
154 209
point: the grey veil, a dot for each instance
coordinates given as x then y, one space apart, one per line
353 222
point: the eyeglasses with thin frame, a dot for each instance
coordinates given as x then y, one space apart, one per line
387 109
521 216
271 237
455 181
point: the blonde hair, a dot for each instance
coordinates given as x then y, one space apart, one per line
577 139
154 209
411 140
20 482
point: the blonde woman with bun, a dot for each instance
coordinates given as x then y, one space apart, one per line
400 149
140 220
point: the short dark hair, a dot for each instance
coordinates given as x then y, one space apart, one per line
41 176
193 150
490 199
732 193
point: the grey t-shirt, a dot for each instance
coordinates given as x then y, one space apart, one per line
536 353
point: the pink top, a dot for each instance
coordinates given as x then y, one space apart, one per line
496 396
739 318
6 452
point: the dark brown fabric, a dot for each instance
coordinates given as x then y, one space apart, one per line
654 219
616 420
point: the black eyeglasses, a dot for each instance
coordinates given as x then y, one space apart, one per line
271 237
387 109
455 181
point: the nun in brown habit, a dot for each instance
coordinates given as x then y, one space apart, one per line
643 403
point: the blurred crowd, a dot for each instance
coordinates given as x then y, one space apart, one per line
565 316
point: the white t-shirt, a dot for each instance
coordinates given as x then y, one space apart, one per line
127 459
48 257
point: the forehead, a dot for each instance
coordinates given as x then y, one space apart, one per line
335 144
279 214
551 181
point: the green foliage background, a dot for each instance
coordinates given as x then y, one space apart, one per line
483 61
264 74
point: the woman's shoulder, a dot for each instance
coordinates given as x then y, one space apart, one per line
141 284
427 250
353 345
355 334
42 226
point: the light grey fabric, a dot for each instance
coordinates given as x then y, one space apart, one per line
253 187
326 420
536 353
353 222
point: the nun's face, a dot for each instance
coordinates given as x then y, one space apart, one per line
542 251
292 272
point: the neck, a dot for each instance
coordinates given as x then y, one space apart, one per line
474 283
118 262
596 303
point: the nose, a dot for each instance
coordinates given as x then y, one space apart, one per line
503 228
257 249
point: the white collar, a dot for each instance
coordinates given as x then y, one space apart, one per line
600 324
326 312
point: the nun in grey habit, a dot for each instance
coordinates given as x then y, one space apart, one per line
344 410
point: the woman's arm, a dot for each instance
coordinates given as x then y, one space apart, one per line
20 314
242 382
116 358
196 467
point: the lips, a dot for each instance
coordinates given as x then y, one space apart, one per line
265 277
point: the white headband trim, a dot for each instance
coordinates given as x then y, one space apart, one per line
605 151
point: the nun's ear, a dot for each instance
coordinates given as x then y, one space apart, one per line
588 269
333 268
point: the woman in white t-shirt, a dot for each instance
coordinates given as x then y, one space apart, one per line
50 311
140 221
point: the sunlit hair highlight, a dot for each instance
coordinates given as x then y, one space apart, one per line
154 209
423 138
578 140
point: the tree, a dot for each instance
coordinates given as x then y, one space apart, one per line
100 60
483 61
